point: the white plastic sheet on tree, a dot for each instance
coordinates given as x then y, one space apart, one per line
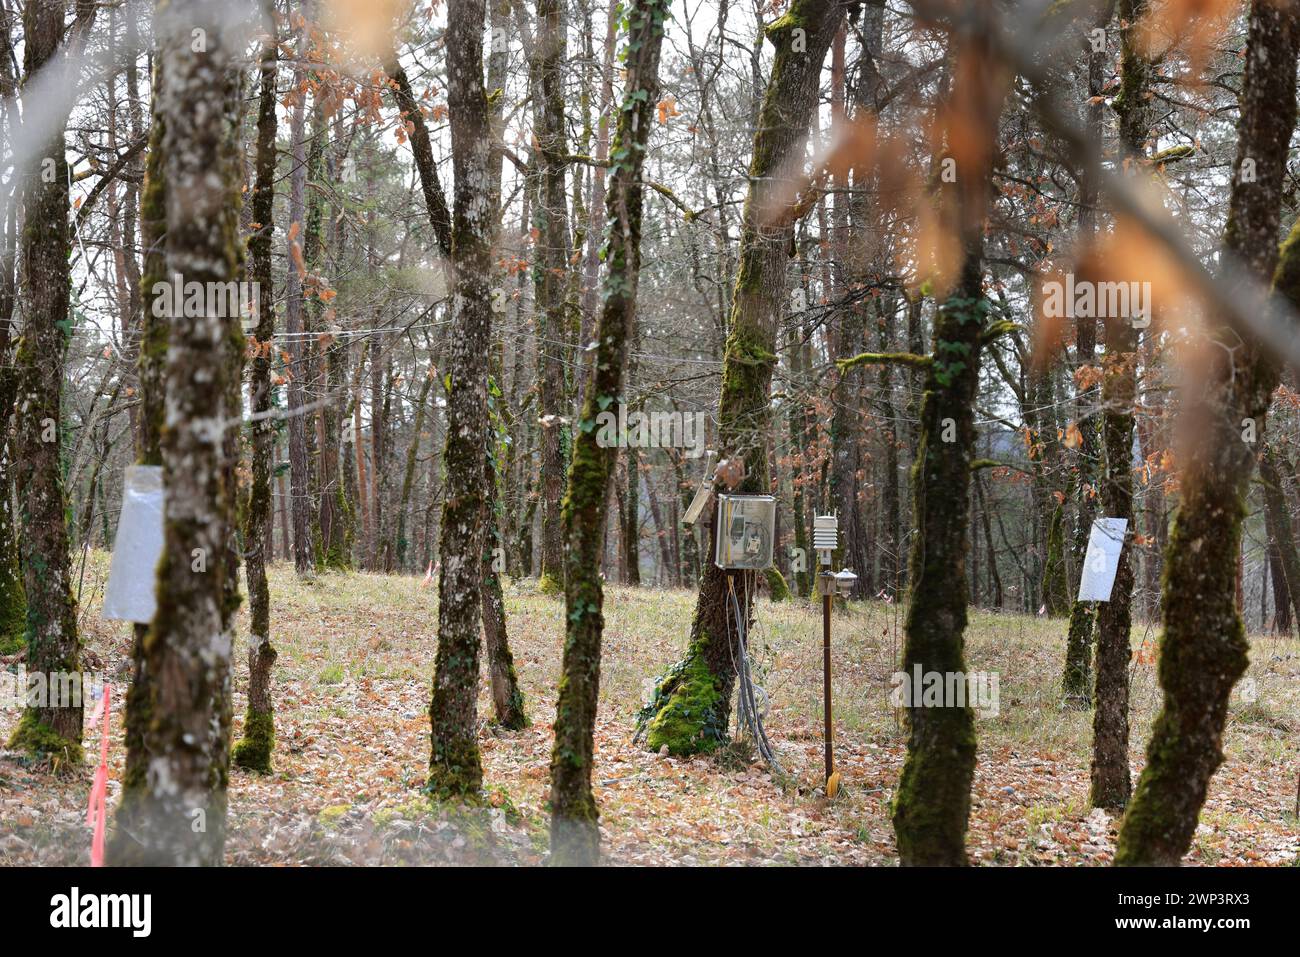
131 577
1099 565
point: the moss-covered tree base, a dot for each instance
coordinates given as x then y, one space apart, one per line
514 718
13 610
455 773
777 589
686 713
253 751
548 584
335 559
11 642
41 741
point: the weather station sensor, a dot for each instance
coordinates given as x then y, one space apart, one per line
746 530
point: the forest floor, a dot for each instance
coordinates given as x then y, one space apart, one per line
352 689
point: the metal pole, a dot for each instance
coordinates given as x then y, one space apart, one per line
826 667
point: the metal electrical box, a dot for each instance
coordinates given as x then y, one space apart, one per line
746 530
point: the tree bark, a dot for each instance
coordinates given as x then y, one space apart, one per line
549 271
932 803
692 702
13 605
1076 680
575 835
180 814
152 356
254 750
408 475
1110 771
50 728
1282 535
507 698
304 554
1204 648
455 767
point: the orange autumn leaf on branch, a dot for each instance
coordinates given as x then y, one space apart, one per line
1086 377
1191 27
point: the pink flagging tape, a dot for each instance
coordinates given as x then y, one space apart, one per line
96 812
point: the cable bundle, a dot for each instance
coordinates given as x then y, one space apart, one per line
748 714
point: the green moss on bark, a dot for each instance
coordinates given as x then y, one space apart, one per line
777 588
253 751
1076 683
41 741
13 613
1056 589
686 712
932 803
456 772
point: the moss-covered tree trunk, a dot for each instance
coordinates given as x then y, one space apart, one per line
1279 521
150 370
692 702
336 512
53 646
575 836
847 461
931 806
551 227
1204 650
178 803
892 502
507 697
300 498
254 750
13 606
455 767
1076 681
408 473
1110 771
630 507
